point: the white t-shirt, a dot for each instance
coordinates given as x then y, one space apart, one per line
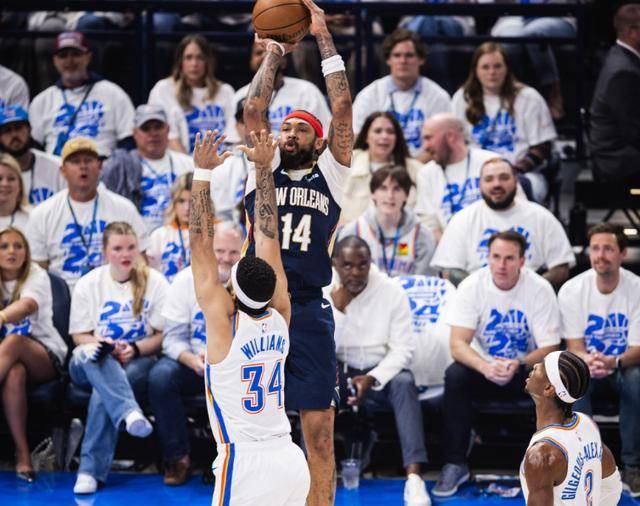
500 132
157 178
169 250
13 89
54 238
104 306
38 325
182 307
227 186
429 297
106 116
507 323
294 94
205 114
412 107
442 192
44 178
19 219
608 322
464 243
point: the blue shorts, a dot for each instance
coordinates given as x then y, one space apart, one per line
311 369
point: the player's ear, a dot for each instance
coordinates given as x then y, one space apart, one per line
549 391
320 144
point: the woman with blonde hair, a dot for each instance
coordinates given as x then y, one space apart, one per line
193 99
168 249
116 323
503 115
14 209
31 349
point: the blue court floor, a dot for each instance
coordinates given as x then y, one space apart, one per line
54 489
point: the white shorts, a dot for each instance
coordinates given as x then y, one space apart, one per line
271 472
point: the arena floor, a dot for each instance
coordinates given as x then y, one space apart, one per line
54 489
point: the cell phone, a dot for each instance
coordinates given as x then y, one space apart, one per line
104 348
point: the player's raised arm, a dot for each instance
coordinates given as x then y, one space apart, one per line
210 293
265 231
341 131
256 107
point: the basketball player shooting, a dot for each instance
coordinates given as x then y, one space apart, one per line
566 462
309 182
247 343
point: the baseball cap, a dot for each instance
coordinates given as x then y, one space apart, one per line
147 112
13 114
77 145
74 40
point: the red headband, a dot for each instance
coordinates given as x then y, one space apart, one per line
309 118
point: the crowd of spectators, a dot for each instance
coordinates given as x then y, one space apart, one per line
446 263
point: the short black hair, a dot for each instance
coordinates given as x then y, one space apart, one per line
609 228
257 280
511 236
397 173
350 241
574 373
401 35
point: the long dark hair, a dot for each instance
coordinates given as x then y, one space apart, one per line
400 150
472 89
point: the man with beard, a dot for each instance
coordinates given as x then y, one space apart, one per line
41 175
600 311
504 318
464 244
309 188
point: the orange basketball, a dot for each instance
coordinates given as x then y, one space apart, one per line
281 20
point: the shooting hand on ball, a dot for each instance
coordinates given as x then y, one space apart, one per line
318 21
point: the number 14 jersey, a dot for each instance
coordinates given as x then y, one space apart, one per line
309 203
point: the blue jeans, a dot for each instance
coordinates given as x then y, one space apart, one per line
114 390
626 385
168 382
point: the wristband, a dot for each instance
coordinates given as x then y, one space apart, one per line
202 175
136 350
332 65
278 45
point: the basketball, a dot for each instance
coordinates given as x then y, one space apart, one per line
281 20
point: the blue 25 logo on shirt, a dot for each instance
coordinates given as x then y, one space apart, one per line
86 123
608 334
277 115
198 329
507 335
483 245
458 196
75 253
172 262
411 122
117 321
426 297
496 134
210 117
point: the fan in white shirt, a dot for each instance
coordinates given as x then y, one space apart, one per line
193 99
289 94
463 247
410 97
65 231
81 104
13 89
41 175
168 249
451 180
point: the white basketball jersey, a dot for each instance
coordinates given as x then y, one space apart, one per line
580 443
245 391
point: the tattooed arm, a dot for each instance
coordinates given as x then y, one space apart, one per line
340 139
265 230
212 297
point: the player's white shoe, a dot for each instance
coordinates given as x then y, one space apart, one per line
85 484
415 491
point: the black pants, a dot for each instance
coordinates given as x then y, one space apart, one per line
462 385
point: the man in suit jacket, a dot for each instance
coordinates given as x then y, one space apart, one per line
615 110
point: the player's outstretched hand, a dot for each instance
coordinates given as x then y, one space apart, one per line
263 150
205 153
264 44
318 21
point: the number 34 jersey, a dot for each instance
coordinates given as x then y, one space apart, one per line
245 391
309 204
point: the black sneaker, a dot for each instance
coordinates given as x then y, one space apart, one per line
631 480
451 477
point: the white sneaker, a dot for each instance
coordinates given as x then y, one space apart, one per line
415 492
137 425
85 484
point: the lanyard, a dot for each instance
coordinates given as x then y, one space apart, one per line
486 140
403 119
463 192
388 266
150 167
92 225
183 251
72 120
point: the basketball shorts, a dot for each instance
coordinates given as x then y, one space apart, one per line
273 472
311 369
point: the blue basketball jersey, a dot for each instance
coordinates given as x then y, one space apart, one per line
309 204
